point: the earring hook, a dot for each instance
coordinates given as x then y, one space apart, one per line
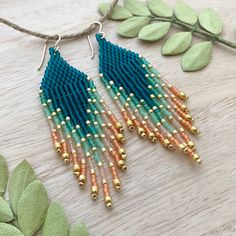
89 39
43 55
45 48
57 42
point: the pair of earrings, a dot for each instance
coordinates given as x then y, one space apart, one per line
88 135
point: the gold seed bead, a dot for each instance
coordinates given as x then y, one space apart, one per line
82 180
121 138
194 130
183 96
191 145
122 151
94 192
117 184
188 117
108 201
122 165
141 132
181 147
76 169
130 125
197 158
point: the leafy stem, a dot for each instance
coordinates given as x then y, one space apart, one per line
194 29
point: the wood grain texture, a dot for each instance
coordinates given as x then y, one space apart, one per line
163 194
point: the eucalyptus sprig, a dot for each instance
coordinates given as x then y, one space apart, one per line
152 20
28 210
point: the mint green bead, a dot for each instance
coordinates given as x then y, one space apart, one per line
42 99
96 157
47 112
56 120
168 127
66 130
85 147
76 138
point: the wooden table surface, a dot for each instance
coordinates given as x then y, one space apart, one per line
163 193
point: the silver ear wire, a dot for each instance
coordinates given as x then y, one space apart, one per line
43 55
89 40
45 48
91 47
57 42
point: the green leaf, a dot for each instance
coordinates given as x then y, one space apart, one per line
20 178
177 43
211 21
118 12
32 208
160 8
9 230
79 230
197 57
185 13
56 222
137 7
154 31
6 214
131 27
3 175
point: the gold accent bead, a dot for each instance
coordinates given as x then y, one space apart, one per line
122 165
94 192
171 147
184 107
166 142
197 158
117 184
191 145
188 117
122 151
76 169
119 126
181 147
108 201
194 130
130 125
82 180
57 146
121 137
152 137
65 157
183 96
141 132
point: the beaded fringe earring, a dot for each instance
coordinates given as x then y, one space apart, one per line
84 131
147 101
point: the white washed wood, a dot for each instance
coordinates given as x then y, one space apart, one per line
163 193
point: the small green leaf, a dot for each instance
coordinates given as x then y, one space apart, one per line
131 27
79 230
137 7
197 57
56 222
177 43
20 178
6 214
3 175
118 12
210 21
154 31
160 8
32 208
185 13
9 230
